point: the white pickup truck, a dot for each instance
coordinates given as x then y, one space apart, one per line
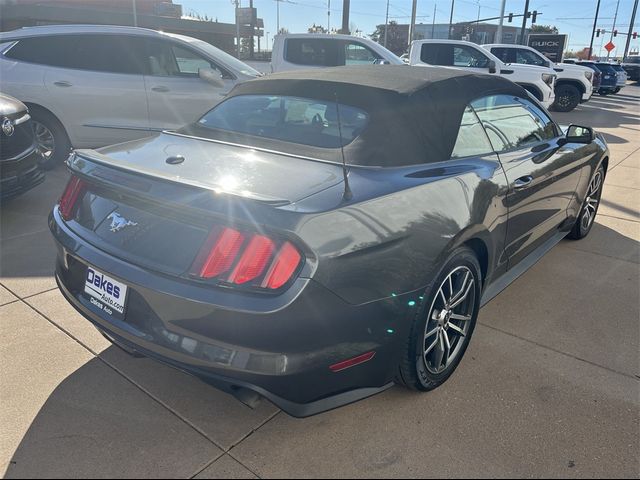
573 85
539 81
298 51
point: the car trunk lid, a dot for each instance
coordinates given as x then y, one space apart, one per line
232 169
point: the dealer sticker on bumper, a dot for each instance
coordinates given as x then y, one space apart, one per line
110 293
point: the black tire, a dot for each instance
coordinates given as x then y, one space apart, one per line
415 372
589 210
567 98
617 89
61 144
604 93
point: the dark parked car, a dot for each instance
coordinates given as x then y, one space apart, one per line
631 65
19 155
597 74
243 250
608 77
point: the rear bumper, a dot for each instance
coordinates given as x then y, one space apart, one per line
282 354
20 174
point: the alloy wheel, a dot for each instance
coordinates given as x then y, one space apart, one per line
591 202
44 140
449 320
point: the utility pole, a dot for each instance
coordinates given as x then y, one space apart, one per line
329 16
277 17
615 17
237 2
593 33
386 25
433 25
524 21
633 20
345 16
451 18
412 26
499 32
253 29
135 14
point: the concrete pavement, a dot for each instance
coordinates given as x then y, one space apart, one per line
548 388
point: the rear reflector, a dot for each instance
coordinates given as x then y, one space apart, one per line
248 259
67 205
352 362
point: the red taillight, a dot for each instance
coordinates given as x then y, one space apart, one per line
285 263
67 205
219 252
247 259
253 260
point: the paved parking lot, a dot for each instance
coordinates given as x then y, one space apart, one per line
549 385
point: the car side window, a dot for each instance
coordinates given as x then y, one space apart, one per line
549 130
452 55
92 52
41 50
511 122
358 54
312 51
106 53
464 56
472 139
167 59
529 58
507 55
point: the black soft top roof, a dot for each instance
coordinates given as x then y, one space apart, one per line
414 112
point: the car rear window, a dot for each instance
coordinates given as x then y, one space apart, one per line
290 119
318 52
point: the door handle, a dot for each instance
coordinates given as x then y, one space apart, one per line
523 182
160 88
62 83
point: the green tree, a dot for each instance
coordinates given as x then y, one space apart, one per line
397 37
544 29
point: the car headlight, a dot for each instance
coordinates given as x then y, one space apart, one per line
548 78
607 77
589 75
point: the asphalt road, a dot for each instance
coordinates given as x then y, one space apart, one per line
548 388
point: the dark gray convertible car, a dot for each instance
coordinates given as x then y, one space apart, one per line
320 235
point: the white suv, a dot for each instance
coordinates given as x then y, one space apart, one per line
88 86
574 84
539 81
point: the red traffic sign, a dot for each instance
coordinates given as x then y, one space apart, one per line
609 46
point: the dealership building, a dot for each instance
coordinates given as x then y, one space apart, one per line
156 14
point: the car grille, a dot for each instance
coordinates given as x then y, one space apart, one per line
17 144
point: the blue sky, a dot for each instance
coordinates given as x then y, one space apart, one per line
572 17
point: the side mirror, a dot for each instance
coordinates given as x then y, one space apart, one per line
211 76
492 66
578 134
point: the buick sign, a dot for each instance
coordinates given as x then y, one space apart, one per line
551 46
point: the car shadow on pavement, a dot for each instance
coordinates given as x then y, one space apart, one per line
613 139
98 424
117 416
